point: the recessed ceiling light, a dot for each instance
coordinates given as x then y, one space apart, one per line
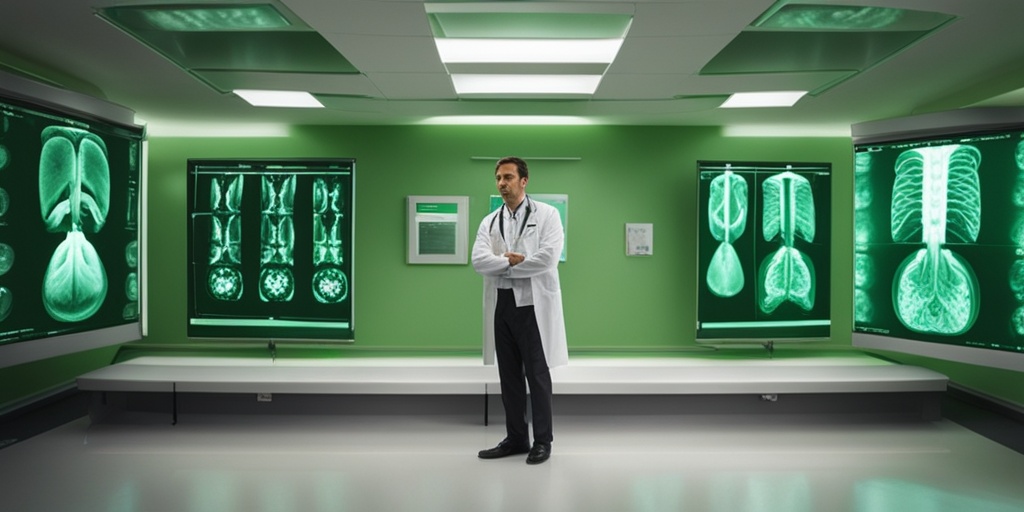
763 99
200 18
525 84
297 99
507 120
528 50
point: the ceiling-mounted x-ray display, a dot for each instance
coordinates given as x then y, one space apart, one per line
940 238
763 251
270 249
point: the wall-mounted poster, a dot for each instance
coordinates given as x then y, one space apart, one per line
437 228
270 249
639 239
763 251
559 201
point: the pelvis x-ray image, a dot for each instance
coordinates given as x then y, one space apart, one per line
74 195
224 278
788 213
727 216
330 284
277 238
936 196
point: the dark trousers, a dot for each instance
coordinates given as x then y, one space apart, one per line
520 359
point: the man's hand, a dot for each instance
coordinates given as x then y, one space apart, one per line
514 258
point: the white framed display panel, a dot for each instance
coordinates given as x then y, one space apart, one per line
438 230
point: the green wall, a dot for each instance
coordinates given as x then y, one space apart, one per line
626 174
613 303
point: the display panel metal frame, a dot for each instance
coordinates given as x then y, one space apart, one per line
270 249
729 304
995 252
112 128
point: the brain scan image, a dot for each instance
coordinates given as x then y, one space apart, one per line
727 214
936 197
131 254
131 286
6 303
6 258
787 275
74 197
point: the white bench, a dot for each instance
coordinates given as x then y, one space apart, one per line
846 373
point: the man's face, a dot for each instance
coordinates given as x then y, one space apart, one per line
510 185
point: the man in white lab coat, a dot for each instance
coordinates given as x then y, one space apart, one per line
517 250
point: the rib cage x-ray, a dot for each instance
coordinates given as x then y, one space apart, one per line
936 196
787 274
763 244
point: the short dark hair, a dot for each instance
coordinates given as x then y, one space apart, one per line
524 172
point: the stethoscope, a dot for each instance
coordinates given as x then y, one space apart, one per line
501 223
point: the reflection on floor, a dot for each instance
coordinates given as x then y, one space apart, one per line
425 462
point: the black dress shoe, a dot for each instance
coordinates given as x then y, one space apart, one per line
504 449
539 453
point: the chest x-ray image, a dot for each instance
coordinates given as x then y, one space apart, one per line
763 251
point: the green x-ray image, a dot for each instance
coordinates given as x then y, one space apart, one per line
763 283
787 274
936 192
727 216
224 277
939 250
6 258
6 303
330 284
277 238
74 196
279 253
65 180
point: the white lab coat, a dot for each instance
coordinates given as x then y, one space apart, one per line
541 242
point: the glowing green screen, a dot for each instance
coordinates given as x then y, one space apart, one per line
938 239
763 258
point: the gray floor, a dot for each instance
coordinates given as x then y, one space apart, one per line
427 462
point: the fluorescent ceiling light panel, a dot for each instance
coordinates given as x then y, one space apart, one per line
763 99
798 16
507 120
525 84
528 50
213 18
297 99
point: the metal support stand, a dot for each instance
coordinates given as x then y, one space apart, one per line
174 403
487 405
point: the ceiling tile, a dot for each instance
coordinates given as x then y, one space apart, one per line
389 53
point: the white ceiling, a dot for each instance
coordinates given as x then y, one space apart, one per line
978 59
